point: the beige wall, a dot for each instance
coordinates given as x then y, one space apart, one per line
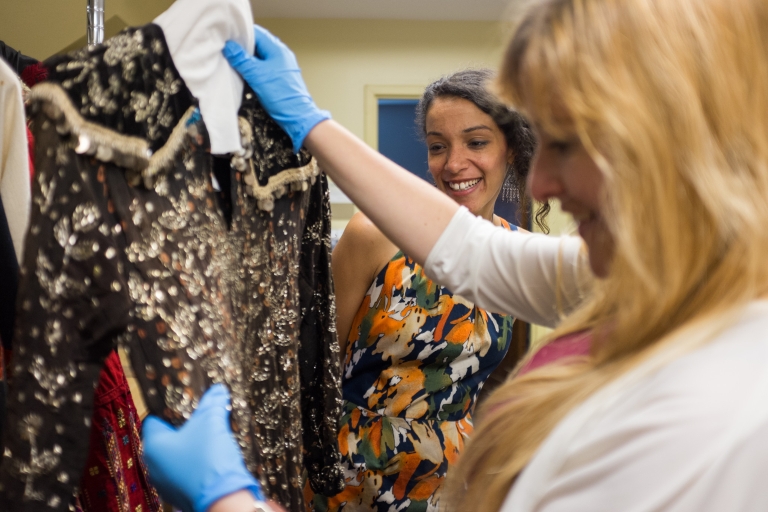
41 28
340 57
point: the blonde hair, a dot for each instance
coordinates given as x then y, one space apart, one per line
670 98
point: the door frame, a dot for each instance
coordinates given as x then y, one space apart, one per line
374 93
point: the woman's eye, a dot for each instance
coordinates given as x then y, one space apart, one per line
433 148
478 144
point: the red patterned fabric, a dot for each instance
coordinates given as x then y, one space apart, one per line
31 150
34 74
5 354
115 478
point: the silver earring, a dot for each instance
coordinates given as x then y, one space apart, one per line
509 191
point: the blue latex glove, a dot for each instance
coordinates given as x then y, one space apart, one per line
276 78
200 462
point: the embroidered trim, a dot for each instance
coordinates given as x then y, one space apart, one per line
277 186
107 145
295 179
134 153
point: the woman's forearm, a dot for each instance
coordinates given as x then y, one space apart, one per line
408 210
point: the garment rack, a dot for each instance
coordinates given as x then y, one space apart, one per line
95 14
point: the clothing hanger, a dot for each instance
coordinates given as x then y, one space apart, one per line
196 31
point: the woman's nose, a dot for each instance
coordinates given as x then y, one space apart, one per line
456 160
543 180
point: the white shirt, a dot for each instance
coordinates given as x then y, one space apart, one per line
196 31
536 278
15 188
690 435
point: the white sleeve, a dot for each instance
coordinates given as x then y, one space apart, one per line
536 278
690 435
195 32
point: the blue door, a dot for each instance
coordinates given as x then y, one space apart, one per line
399 138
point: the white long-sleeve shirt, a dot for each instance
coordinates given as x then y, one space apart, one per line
536 278
686 436
690 435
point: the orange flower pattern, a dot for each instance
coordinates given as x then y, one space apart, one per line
416 360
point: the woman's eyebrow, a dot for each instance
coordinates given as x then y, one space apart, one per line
478 127
466 130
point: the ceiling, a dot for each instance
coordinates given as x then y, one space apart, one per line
465 10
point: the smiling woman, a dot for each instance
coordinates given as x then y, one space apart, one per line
475 142
468 156
416 355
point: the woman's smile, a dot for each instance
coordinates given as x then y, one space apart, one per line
462 187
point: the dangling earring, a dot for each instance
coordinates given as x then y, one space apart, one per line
509 191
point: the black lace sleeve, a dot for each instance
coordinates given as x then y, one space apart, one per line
319 349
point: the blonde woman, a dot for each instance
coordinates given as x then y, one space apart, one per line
652 118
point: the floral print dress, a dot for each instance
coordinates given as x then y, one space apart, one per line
416 360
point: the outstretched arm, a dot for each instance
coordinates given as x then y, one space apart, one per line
409 211
536 278
495 271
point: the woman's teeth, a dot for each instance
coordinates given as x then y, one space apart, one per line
463 185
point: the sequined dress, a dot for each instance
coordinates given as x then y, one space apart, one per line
416 360
129 244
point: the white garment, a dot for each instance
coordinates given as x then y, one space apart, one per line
686 436
14 158
691 436
196 31
510 272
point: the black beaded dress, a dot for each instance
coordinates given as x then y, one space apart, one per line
130 244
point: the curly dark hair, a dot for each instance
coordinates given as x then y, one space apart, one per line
471 85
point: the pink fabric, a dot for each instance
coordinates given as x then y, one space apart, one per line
571 345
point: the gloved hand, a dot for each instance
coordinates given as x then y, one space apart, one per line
200 462
275 76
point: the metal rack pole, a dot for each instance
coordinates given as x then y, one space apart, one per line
95 12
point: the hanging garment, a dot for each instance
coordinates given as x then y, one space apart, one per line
416 360
115 477
14 163
195 32
9 277
17 60
34 74
128 245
